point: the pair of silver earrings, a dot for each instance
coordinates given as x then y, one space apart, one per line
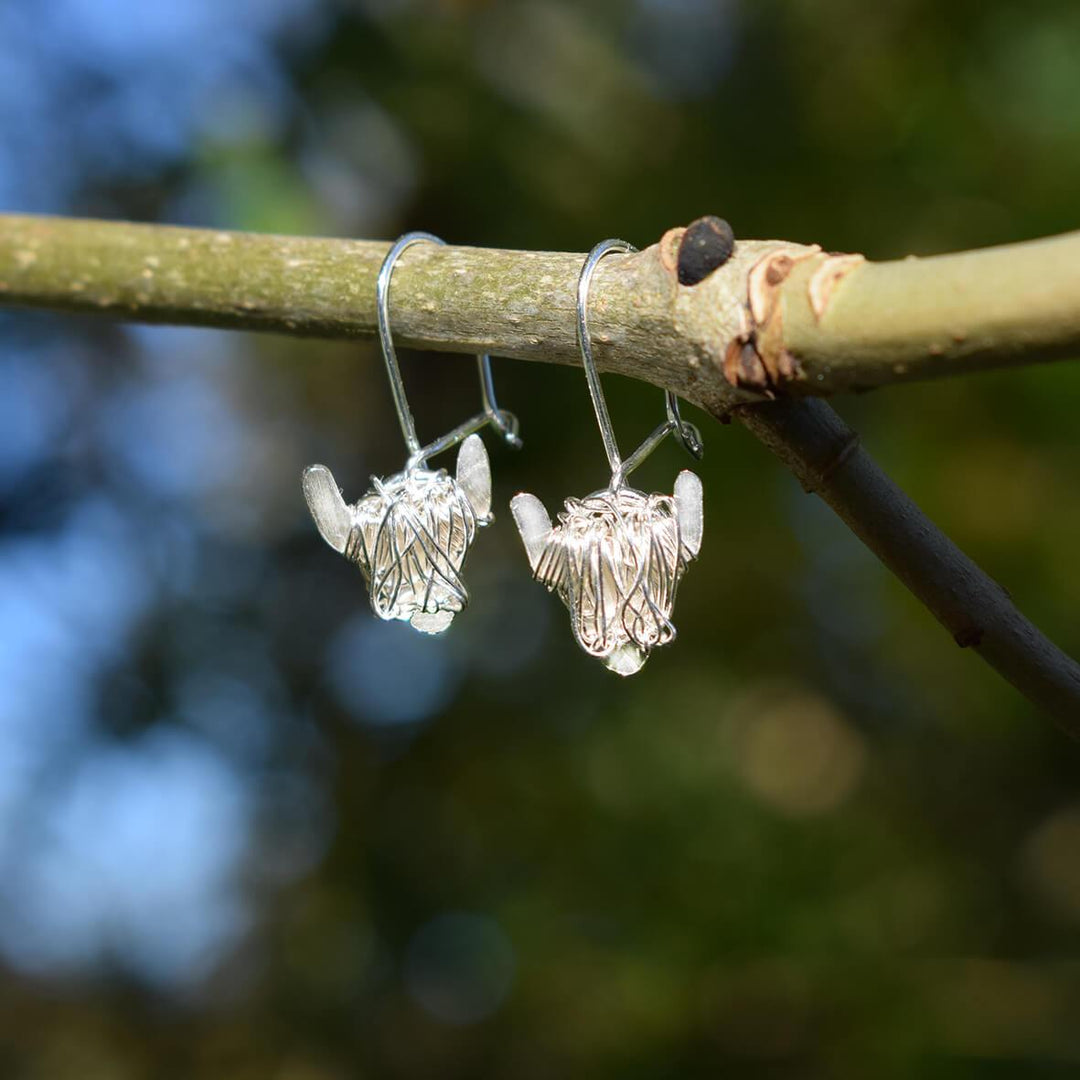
615 558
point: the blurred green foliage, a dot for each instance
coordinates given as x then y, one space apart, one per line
812 838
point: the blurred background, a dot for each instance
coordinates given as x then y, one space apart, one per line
247 830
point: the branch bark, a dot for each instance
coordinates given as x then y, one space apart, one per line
856 325
826 456
775 319
807 323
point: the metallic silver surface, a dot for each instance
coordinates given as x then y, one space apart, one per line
615 560
410 536
504 422
616 557
686 434
410 533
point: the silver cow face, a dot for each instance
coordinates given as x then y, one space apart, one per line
616 559
409 534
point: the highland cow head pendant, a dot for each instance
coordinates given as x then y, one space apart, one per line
617 556
615 560
410 534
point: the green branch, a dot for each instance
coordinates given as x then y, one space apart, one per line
926 318
775 320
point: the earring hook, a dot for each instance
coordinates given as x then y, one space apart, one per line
503 421
686 434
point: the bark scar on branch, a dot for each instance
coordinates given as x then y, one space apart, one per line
757 359
827 277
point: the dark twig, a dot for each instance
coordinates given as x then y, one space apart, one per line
824 453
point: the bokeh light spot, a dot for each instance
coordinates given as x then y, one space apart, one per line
387 673
1051 861
460 967
796 751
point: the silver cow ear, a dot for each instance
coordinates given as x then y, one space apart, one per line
332 514
688 504
533 523
474 475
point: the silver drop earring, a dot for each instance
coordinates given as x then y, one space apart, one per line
411 532
617 556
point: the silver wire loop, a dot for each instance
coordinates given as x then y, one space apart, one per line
411 532
686 434
504 422
616 557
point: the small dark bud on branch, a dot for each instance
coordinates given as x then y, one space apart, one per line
705 246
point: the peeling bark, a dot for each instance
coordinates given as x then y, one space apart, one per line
827 277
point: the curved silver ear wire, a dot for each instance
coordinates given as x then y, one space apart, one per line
617 556
685 433
504 422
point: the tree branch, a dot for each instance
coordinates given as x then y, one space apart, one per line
808 323
855 325
825 454
774 319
